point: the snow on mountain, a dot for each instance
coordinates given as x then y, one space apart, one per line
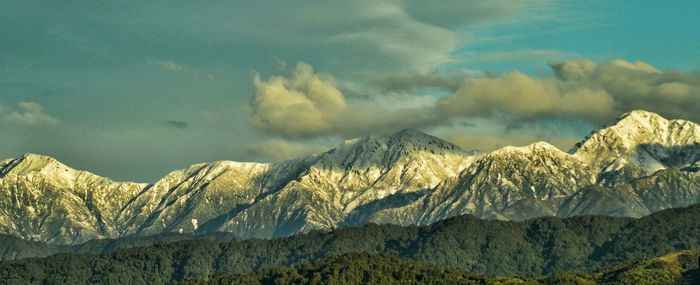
348 177
505 178
42 199
639 143
185 199
640 164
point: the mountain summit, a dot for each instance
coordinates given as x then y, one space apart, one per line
638 144
639 164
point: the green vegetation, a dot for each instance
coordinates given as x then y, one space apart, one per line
680 267
532 248
359 268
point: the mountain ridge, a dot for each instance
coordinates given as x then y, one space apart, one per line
639 164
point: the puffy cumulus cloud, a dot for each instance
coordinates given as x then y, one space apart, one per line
304 103
580 89
279 149
520 95
635 85
27 113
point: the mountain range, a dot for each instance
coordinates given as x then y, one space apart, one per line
639 164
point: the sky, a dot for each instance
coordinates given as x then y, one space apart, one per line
135 89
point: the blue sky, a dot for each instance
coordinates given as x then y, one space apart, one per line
134 89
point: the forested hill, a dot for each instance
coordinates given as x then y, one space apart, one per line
531 248
363 268
360 268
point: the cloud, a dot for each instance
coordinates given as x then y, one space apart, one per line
28 113
517 94
305 103
387 35
279 149
523 54
596 92
176 124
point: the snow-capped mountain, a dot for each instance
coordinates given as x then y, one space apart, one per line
638 144
349 177
637 165
42 199
510 183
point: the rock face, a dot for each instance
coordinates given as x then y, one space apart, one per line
638 144
42 199
640 164
345 180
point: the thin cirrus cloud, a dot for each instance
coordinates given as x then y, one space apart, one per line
307 104
28 114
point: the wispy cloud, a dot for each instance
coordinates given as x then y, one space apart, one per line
518 55
27 113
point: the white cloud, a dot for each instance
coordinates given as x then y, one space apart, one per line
27 113
305 103
596 92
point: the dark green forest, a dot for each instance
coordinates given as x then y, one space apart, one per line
533 248
363 268
359 268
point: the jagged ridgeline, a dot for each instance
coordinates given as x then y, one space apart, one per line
637 165
569 248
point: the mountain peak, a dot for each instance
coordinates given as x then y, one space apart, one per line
31 162
409 132
641 127
402 138
639 116
533 147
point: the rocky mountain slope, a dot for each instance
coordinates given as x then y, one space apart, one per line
42 199
640 164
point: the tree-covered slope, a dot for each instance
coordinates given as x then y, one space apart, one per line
359 268
680 267
532 248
